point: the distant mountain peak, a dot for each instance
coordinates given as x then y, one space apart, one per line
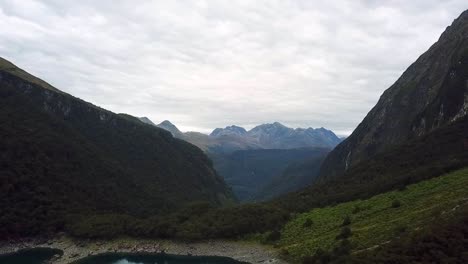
274 124
167 125
269 128
277 135
146 120
229 131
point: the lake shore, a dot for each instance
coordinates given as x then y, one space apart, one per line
74 249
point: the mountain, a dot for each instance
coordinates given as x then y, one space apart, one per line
433 154
365 164
167 125
146 120
431 93
265 136
221 141
253 163
278 136
229 131
260 171
62 156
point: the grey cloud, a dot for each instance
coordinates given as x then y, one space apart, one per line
207 64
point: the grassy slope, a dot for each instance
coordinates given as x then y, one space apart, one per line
377 221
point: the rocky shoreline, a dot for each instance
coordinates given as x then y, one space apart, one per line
74 249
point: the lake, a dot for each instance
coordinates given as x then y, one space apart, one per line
29 256
142 258
42 255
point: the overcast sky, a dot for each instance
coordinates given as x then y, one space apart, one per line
208 64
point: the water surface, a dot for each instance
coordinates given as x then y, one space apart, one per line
126 258
30 256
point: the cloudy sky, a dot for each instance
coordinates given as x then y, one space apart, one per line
206 64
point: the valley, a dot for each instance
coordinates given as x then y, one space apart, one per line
82 184
265 162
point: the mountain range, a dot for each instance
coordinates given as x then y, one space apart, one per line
265 136
264 162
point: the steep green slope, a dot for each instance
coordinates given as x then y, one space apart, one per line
377 220
61 155
431 93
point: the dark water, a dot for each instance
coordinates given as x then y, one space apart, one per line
123 258
30 256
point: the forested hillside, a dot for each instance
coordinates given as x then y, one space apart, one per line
61 155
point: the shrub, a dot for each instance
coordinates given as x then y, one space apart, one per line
400 229
273 236
284 252
356 209
308 223
342 249
346 221
320 256
345 233
309 260
396 204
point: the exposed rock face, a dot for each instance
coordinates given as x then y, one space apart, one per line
431 93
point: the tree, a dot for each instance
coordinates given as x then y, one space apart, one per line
345 233
308 223
396 204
